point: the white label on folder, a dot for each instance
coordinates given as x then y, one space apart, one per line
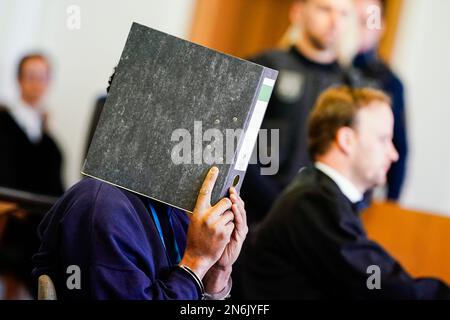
269 82
251 134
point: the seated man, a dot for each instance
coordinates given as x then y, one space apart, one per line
313 245
122 245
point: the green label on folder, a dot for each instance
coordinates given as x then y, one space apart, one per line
264 94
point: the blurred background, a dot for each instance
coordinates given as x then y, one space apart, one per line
84 40
416 46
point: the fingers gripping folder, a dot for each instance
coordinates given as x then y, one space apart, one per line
173 110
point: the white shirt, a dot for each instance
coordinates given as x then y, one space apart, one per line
345 185
28 118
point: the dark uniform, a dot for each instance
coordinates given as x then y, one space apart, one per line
300 82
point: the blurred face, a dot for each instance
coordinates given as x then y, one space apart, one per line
323 21
373 151
369 35
34 80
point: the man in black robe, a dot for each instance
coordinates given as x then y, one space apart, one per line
312 245
30 161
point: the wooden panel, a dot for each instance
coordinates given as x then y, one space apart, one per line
7 207
246 27
240 27
420 241
393 15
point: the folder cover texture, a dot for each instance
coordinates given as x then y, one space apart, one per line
171 110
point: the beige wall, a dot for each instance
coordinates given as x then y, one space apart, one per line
422 58
83 58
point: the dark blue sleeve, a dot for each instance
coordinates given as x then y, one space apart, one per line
396 174
126 259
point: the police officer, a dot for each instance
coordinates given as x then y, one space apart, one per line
305 70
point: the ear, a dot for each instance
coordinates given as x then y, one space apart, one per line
345 140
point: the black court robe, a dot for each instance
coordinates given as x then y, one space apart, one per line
28 167
312 245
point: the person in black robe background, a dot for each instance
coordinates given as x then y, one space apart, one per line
313 245
30 161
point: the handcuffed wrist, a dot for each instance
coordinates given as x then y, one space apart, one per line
196 279
222 295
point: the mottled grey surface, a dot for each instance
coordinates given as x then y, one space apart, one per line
163 83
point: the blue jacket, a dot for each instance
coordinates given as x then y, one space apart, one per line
110 235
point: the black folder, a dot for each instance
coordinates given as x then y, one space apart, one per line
165 91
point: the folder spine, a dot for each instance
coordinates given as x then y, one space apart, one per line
250 132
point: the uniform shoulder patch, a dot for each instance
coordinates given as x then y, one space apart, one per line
289 86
